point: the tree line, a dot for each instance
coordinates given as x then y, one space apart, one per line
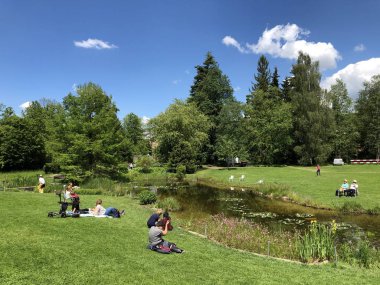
292 122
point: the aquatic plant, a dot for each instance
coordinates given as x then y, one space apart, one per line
247 235
317 244
170 204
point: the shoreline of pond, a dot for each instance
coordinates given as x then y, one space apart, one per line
220 186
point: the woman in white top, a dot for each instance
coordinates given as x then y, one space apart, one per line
99 210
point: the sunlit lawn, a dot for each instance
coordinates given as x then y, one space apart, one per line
306 184
36 249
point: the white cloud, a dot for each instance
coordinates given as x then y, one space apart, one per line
177 81
145 120
285 41
230 41
94 43
237 88
359 48
25 105
354 75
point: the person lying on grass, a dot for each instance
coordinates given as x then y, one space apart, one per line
157 243
99 210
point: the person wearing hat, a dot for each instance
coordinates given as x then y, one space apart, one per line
343 189
41 184
354 187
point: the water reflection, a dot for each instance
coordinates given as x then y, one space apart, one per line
200 201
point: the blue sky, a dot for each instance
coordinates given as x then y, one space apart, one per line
143 53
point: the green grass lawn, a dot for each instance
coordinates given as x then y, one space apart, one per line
306 184
36 249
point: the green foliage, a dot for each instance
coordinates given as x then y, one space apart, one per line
145 163
169 204
246 235
312 118
231 133
180 172
147 197
346 136
364 254
134 131
269 121
317 244
94 142
21 143
262 78
180 133
210 91
352 207
368 113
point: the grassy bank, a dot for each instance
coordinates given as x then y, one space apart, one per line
302 184
40 250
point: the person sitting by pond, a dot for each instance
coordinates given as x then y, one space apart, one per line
165 218
99 210
153 219
343 189
157 243
354 188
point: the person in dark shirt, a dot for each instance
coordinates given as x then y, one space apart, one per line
154 218
166 217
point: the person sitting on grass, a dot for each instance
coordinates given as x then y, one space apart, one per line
153 219
354 188
99 210
166 217
157 243
343 189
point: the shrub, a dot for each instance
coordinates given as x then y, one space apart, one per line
145 163
180 172
364 254
352 207
146 197
169 203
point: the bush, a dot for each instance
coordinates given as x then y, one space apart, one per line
352 207
170 204
180 172
51 167
364 254
146 197
145 163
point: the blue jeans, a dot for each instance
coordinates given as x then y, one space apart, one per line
112 212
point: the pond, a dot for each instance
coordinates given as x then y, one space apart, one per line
200 201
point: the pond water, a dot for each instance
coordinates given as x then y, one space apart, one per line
200 201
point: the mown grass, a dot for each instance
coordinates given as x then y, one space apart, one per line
36 249
302 184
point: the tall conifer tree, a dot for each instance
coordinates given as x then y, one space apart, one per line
210 91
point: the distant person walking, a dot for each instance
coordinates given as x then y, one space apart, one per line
318 170
41 184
